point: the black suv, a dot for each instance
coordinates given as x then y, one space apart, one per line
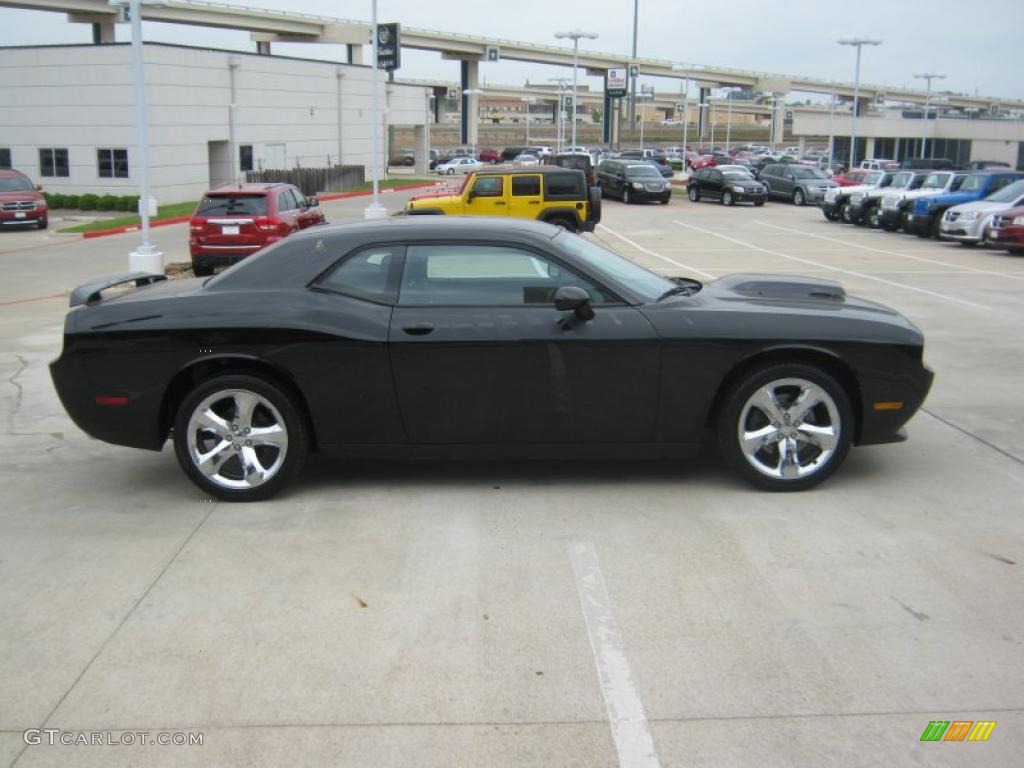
730 187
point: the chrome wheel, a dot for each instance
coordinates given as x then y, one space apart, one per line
798 197
237 439
789 429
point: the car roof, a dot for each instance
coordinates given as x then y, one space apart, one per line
11 172
533 170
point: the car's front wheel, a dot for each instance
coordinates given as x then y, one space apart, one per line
798 197
627 196
451 171
693 194
786 427
240 437
727 198
43 223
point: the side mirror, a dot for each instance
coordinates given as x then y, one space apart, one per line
471 195
575 299
39 187
312 202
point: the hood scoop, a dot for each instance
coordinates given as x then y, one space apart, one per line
781 287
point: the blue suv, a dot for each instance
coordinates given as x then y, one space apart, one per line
925 218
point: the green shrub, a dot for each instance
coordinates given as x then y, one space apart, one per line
56 200
128 203
71 201
106 203
88 202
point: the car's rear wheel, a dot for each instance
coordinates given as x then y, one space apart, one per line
786 427
565 223
694 194
627 196
727 198
201 270
798 197
874 217
451 171
829 214
239 437
43 223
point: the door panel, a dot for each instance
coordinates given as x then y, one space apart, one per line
489 196
524 197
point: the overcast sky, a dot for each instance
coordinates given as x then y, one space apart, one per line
975 45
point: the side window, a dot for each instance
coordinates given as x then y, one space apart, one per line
564 186
284 201
999 182
484 276
716 176
369 274
300 201
245 157
525 186
488 186
5 157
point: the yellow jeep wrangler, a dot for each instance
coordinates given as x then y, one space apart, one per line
547 193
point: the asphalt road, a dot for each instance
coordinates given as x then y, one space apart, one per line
576 614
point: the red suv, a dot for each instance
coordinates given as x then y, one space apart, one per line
235 220
20 201
491 156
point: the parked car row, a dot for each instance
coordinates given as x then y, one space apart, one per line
971 208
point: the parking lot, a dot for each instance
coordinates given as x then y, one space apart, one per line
543 614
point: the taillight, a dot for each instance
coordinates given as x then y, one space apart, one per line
265 224
196 225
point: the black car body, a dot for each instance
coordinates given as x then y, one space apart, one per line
729 187
451 337
633 181
578 160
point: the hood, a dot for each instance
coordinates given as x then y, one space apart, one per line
19 195
823 183
799 292
438 191
984 206
949 200
859 188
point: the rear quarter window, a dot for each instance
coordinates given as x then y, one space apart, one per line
564 186
232 205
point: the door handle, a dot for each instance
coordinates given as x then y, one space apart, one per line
534 202
418 329
500 202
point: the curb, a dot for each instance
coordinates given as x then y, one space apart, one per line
183 219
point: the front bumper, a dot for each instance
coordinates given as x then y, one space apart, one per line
646 196
1007 237
749 196
972 231
14 218
920 222
890 218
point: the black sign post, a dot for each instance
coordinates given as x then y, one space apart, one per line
389 48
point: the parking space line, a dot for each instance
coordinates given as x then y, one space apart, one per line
632 737
890 253
850 272
657 255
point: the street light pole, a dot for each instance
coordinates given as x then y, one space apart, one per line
928 77
375 210
146 257
728 124
560 132
575 36
858 43
831 130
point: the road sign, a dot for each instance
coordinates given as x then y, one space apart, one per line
389 49
493 53
680 107
634 70
616 83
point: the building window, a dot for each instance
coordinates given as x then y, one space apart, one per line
245 157
112 163
5 157
53 162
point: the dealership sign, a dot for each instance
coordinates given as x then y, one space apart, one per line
615 83
389 52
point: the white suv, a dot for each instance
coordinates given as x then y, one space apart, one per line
897 204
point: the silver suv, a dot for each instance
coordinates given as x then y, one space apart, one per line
792 181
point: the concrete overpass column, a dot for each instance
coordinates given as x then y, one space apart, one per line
103 32
606 133
869 147
354 53
421 136
778 119
702 115
470 80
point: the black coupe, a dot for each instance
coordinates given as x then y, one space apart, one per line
444 337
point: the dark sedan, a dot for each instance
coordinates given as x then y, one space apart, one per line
447 337
730 187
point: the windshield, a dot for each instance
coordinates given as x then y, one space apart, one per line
618 269
736 176
15 184
807 173
935 181
901 179
874 177
973 183
233 205
1008 194
642 172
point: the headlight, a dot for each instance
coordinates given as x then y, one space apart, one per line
736 190
638 185
971 215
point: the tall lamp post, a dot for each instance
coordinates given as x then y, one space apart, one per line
561 109
686 105
528 100
375 210
831 130
728 123
701 111
927 76
575 36
858 43
642 97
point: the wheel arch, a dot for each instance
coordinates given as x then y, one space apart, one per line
197 371
552 214
808 355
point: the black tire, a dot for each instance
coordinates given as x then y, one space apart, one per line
740 402
798 197
450 171
627 196
829 214
936 227
874 217
694 194
969 243
494 162
273 407
728 199
43 223
594 197
759 203
664 200
844 214
201 270
565 223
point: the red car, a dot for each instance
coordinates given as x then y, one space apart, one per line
20 201
235 220
491 156
850 178
709 161
1007 230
